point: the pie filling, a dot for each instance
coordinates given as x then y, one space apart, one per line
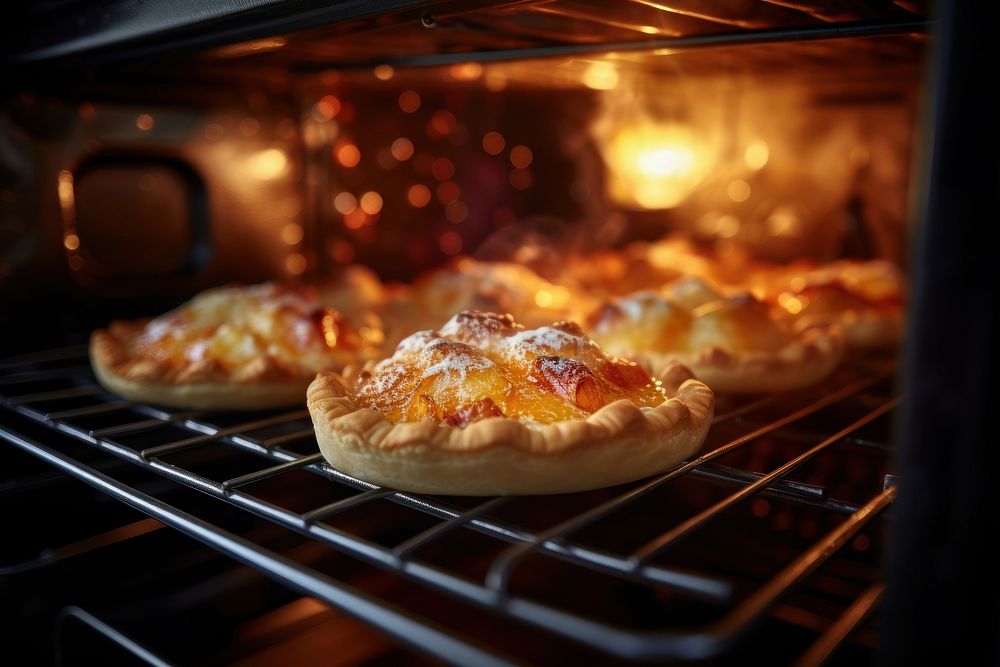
481 365
273 329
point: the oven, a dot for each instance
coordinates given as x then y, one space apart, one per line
150 151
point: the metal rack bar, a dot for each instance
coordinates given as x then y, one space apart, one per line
438 531
824 647
624 642
42 375
55 354
421 635
102 628
649 550
258 475
100 408
71 392
742 38
754 607
500 571
345 504
173 447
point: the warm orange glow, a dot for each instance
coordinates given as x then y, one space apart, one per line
345 202
442 169
495 80
292 233
330 329
601 76
456 211
267 164
466 71
384 72
402 149
250 48
757 154
448 192
493 143
67 199
792 303
409 101
296 263
738 190
654 165
371 336
342 252
521 157
521 179
214 132
418 195
327 108
784 221
286 128
347 154
441 124
385 159
71 241
859 157
450 243
355 219
543 298
371 202
249 127
144 122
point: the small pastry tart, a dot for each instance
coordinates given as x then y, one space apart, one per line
732 343
241 347
469 284
865 298
486 407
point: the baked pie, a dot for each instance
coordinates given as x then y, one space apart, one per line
732 342
865 298
239 347
484 406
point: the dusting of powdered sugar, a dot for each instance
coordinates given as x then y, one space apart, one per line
382 387
473 326
456 367
546 341
414 343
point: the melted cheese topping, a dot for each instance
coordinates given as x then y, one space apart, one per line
482 365
262 330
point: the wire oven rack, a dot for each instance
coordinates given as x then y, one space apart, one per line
57 390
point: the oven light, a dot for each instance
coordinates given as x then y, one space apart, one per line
654 165
267 164
601 75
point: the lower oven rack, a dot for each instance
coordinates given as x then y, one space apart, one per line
57 390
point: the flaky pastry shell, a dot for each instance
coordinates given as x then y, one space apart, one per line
502 456
147 382
810 357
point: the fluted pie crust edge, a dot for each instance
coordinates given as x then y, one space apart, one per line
502 456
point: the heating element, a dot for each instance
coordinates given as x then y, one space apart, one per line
777 527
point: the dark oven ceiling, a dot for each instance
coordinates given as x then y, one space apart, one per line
409 31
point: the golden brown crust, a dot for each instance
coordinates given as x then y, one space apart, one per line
502 456
145 381
812 356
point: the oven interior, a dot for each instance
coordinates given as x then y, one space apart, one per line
139 173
